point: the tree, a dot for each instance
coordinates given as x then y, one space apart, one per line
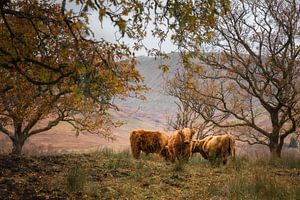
250 72
51 71
52 68
186 115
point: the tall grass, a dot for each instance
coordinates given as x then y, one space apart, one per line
179 165
116 159
196 159
255 178
243 178
289 161
76 179
258 185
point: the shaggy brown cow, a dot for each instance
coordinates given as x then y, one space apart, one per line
180 144
165 152
216 147
147 141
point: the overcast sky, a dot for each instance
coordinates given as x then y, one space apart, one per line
107 32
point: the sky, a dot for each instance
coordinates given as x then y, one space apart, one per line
107 32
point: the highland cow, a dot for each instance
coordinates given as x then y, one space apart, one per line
147 141
165 153
215 147
180 144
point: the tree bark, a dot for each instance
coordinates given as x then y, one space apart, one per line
18 143
275 147
276 142
17 148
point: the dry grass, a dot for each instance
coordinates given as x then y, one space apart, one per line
116 175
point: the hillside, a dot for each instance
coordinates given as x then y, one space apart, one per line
157 101
151 113
110 175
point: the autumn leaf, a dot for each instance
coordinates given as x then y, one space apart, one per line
102 13
122 25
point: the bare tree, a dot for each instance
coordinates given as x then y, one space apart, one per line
250 72
187 116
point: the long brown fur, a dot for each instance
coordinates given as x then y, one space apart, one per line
180 144
165 153
211 147
147 141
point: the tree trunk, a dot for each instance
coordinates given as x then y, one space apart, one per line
18 142
17 148
275 152
275 147
276 142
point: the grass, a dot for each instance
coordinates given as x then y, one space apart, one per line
179 165
260 184
117 175
76 178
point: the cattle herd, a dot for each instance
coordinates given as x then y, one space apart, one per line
180 145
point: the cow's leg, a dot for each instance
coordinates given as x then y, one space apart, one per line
225 155
136 153
212 157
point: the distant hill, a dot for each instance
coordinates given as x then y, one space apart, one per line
151 113
157 100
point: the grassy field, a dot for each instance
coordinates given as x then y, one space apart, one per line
116 175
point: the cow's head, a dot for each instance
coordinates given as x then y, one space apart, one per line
196 146
187 135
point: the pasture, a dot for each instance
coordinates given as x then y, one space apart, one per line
106 174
